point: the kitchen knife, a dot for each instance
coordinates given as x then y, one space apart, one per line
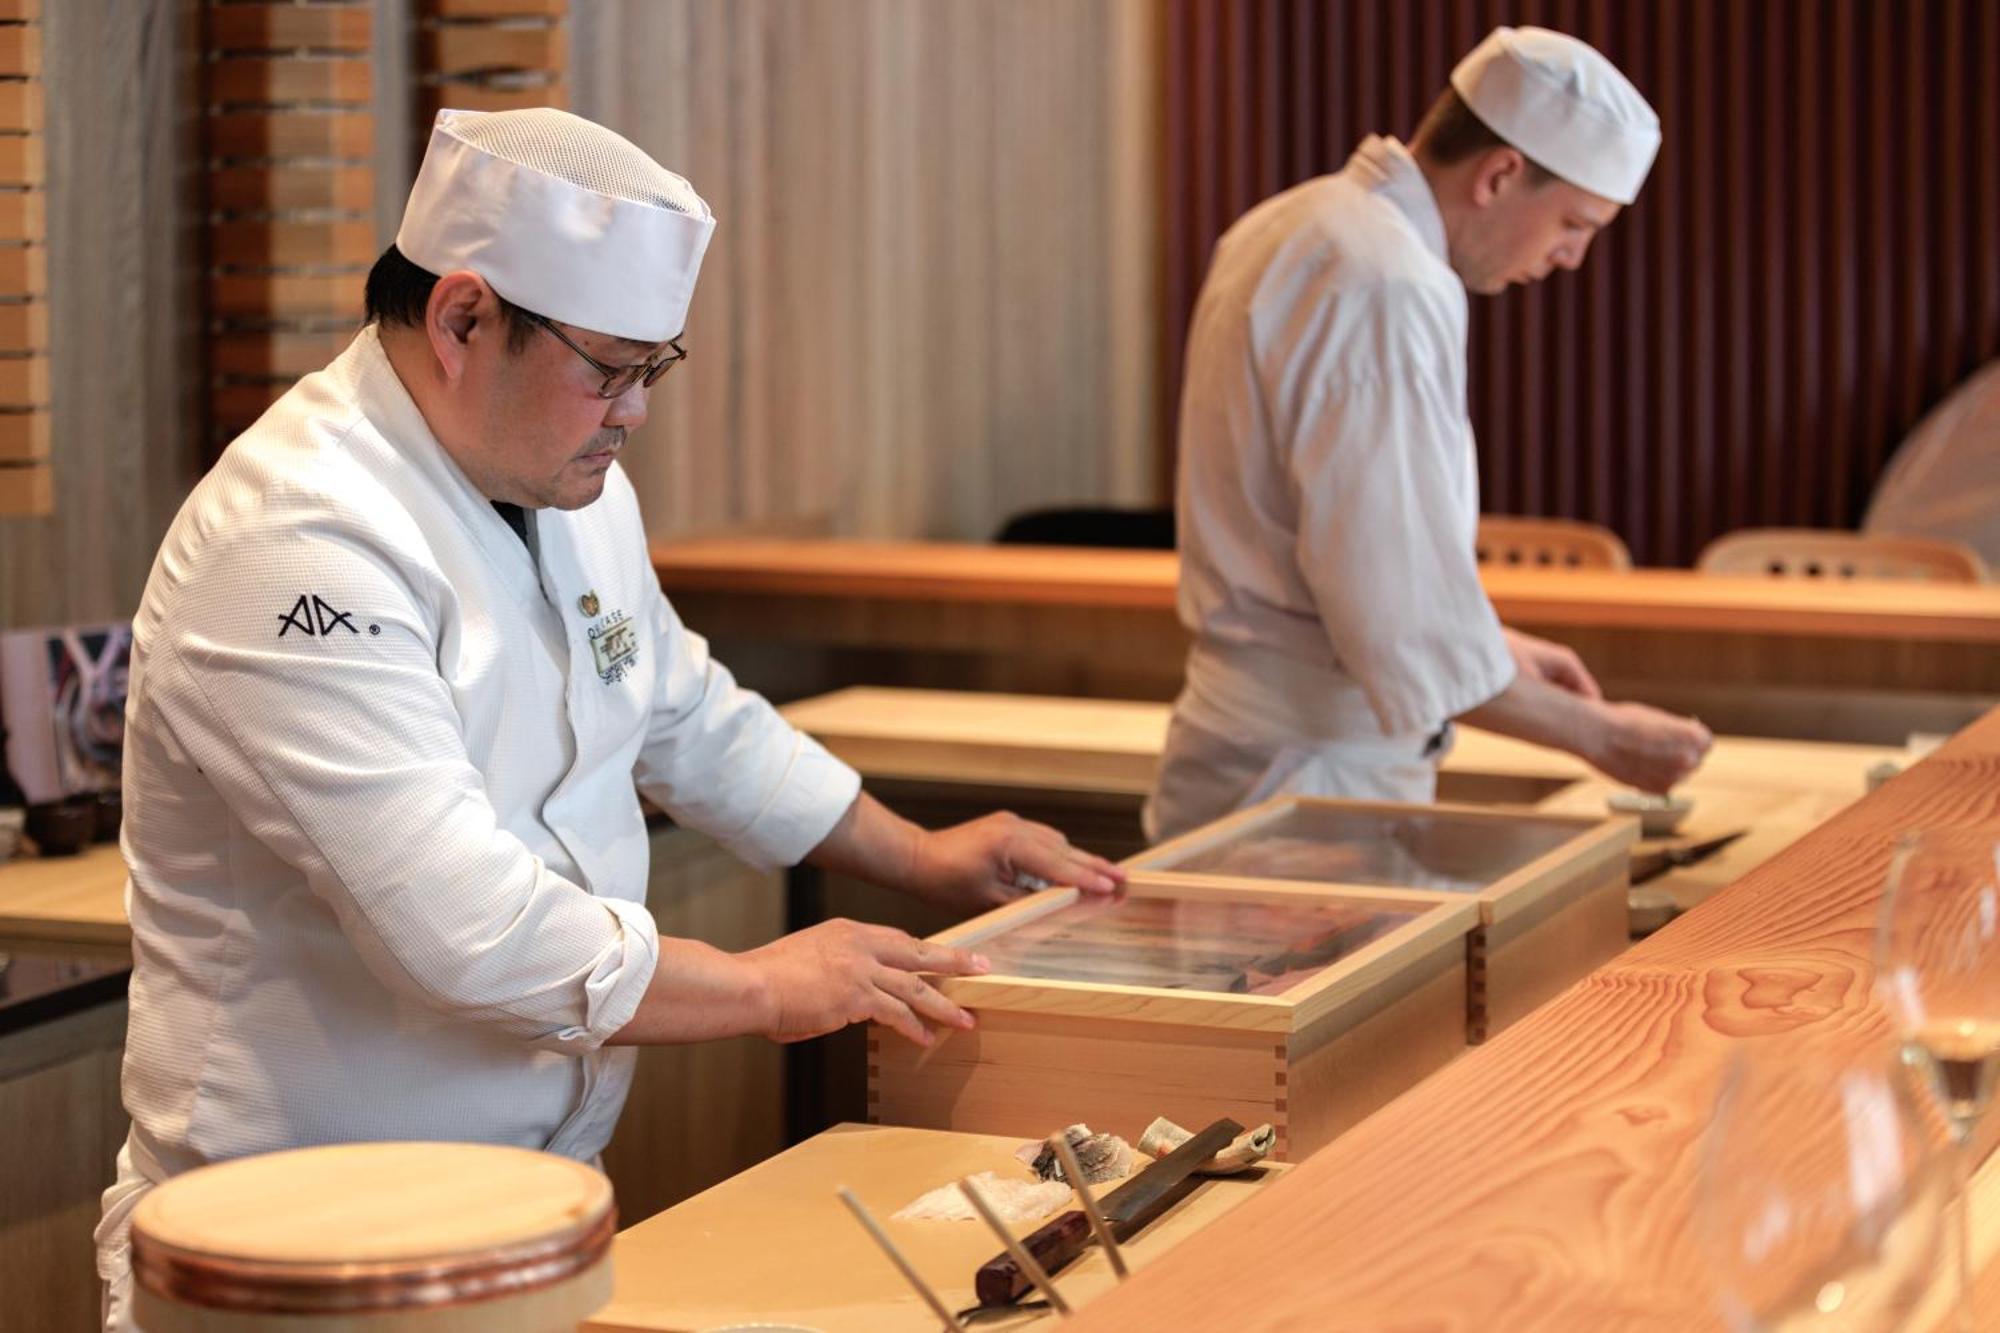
1126 1210
1652 865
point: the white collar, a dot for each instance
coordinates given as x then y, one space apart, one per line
1383 166
386 403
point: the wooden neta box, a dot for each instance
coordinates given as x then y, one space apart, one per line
1551 889
1304 1006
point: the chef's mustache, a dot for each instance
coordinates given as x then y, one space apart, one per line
610 438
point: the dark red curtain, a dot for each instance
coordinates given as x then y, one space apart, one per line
1814 262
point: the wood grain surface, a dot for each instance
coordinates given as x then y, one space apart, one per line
1547 1181
775 1244
396 1204
74 899
59 1102
994 742
1751 657
1641 598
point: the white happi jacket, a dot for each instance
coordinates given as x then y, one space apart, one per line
387 860
1328 504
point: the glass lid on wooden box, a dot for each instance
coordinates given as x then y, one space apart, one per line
1382 846
1241 945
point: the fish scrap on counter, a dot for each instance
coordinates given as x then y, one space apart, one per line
1013 1200
1102 1156
1245 1151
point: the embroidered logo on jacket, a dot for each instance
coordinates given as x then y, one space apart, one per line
311 615
615 645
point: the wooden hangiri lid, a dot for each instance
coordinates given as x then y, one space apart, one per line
371 1227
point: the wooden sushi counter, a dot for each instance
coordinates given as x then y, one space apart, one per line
1546 1181
1541 1181
1853 661
775 1244
1085 765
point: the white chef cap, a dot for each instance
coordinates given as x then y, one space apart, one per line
1563 105
562 217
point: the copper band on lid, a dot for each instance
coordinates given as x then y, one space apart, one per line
364 1229
218 1282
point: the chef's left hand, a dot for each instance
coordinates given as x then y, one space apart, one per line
1541 660
976 866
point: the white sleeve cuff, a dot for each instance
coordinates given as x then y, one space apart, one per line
612 994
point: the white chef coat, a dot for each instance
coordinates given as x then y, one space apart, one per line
1945 480
387 860
1328 504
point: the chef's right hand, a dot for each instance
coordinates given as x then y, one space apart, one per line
838 972
1648 749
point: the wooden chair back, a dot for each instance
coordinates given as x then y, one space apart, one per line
1549 543
1817 553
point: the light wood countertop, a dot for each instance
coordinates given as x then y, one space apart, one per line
774 1244
1777 790
67 899
1139 580
1547 1180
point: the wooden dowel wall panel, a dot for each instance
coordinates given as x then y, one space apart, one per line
27 489
24 326
119 112
274 354
24 437
21 47
253 27
258 134
490 55
21 161
24 382
291 190
24 267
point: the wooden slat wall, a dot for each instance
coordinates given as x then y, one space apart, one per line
122 85
929 300
290 144
490 55
1814 262
27 479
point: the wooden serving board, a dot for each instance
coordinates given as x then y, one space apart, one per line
775 1245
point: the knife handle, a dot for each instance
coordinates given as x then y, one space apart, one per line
1000 1280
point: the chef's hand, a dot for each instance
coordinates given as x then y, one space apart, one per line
966 869
1648 749
1539 659
976 866
820 979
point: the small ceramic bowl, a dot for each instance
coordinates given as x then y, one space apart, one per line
108 812
62 828
1658 815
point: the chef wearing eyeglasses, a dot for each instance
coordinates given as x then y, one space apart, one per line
401 672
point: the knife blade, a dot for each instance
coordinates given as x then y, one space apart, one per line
1652 865
1126 1210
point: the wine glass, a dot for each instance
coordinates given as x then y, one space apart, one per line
1822 1190
1937 970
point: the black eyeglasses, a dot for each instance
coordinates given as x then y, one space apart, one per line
617 379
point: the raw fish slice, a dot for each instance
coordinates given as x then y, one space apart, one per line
1014 1200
